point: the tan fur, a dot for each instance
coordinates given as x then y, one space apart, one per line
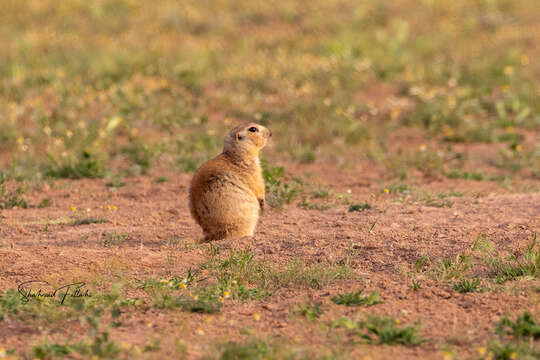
227 192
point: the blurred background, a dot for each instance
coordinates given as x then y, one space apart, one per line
102 88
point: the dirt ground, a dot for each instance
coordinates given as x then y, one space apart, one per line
380 244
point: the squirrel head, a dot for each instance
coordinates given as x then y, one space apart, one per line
246 140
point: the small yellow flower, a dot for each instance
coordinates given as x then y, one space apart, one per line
114 208
481 350
221 299
423 147
199 331
73 208
451 101
257 316
519 148
195 297
508 70
88 210
69 134
208 319
225 294
20 140
183 286
512 355
397 321
387 191
124 345
108 208
524 59
149 324
394 113
2 352
447 356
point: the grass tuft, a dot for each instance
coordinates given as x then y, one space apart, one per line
354 299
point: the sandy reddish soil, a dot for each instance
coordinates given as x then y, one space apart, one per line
41 243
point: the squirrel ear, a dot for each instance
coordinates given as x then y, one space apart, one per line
239 137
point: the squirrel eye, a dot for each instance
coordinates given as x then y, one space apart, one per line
253 129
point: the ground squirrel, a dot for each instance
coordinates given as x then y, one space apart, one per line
227 192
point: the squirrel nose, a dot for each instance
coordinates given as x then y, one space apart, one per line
269 133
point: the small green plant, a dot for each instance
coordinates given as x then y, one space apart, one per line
466 285
415 285
320 193
114 239
422 263
46 202
115 183
358 207
315 276
278 191
382 330
448 269
140 155
256 350
528 264
10 199
454 174
89 220
525 326
499 351
313 206
354 299
310 311
385 331
87 165
101 345
161 179
204 301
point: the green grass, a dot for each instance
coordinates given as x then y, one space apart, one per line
203 301
466 286
526 265
255 349
279 192
123 108
246 278
11 198
84 165
382 330
525 326
114 239
90 220
355 299
359 207
309 311
448 269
